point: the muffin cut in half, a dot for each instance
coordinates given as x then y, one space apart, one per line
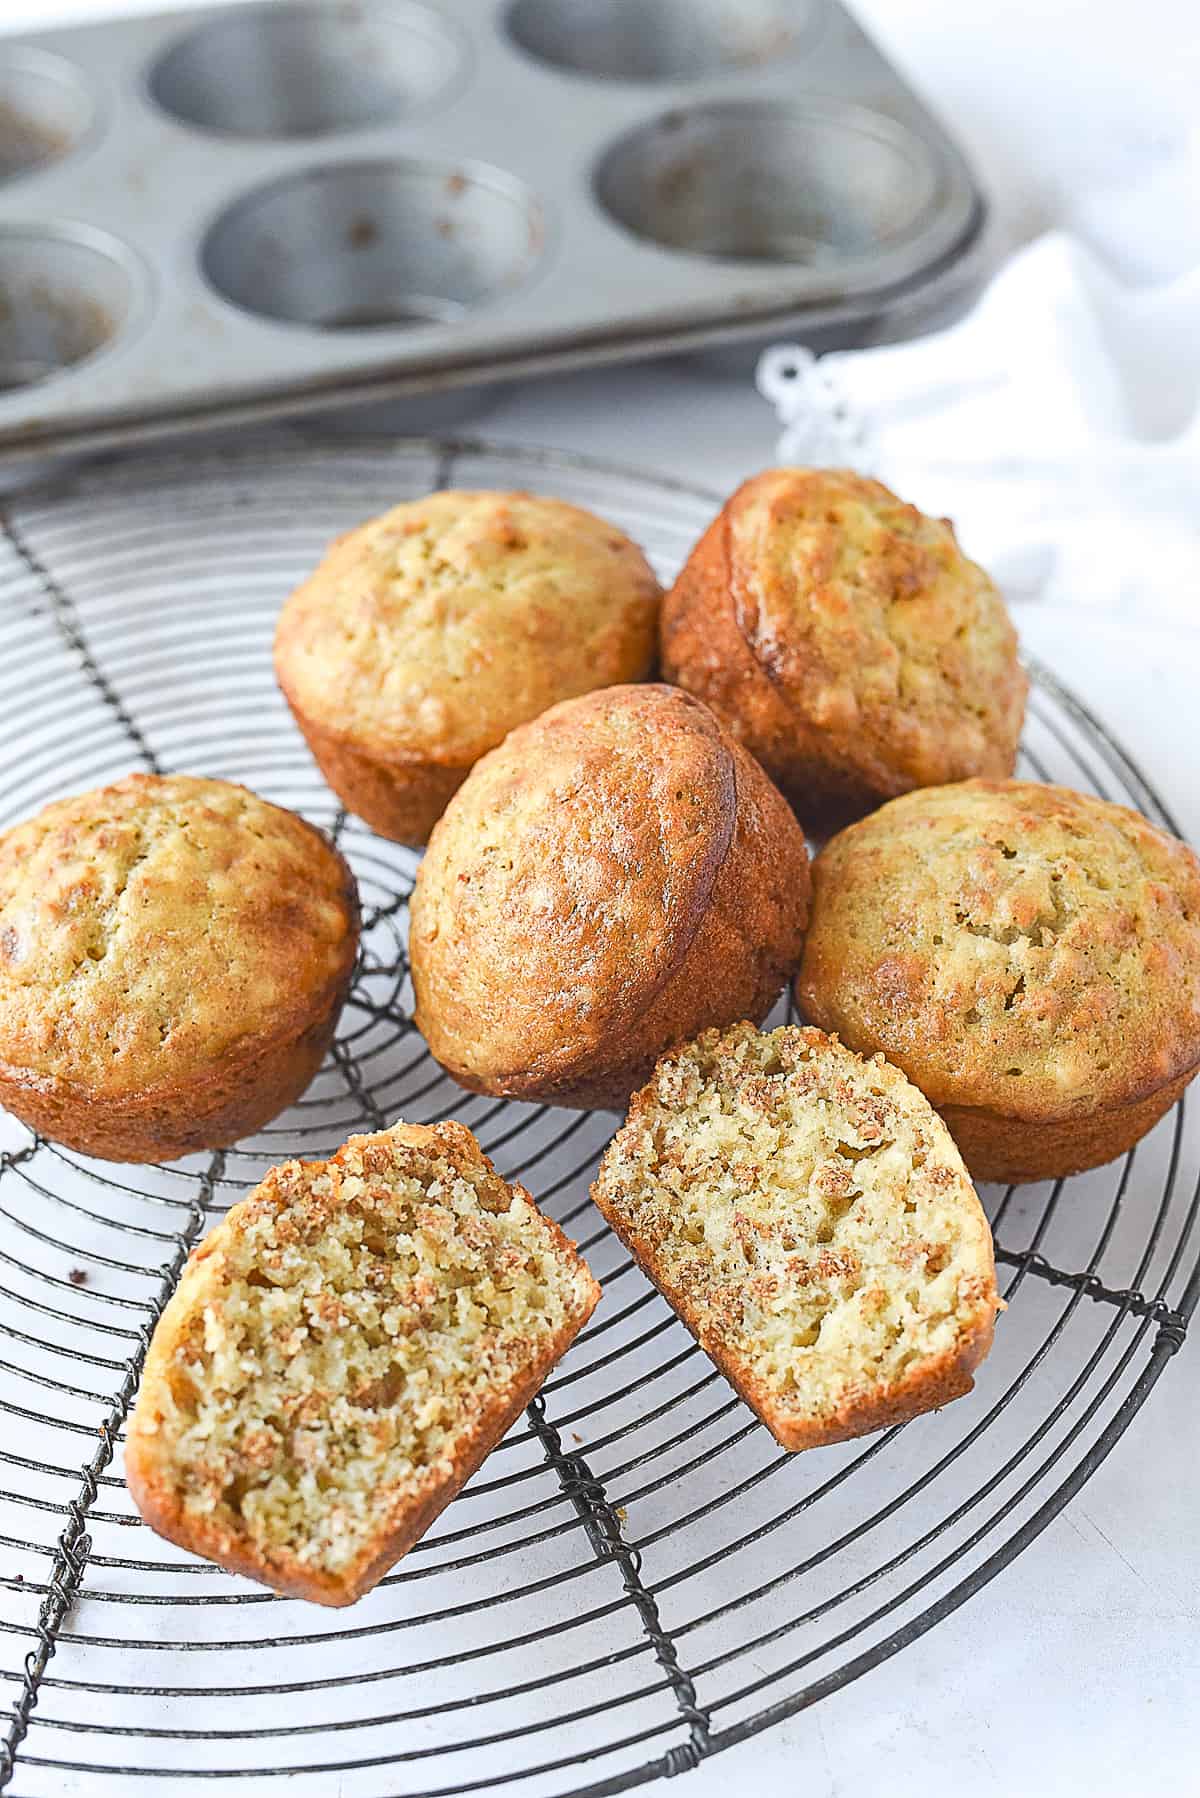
809 1217
847 641
1029 955
174 954
617 876
429 633
340 1355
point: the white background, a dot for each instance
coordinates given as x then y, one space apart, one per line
1077 1671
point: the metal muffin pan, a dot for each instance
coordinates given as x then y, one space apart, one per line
216 217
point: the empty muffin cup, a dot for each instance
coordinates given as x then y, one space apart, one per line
370 246
818 184
306 71
661 40
45 109
66 293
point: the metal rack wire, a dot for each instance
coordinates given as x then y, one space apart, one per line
638 1577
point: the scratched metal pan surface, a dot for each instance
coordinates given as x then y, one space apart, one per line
208 217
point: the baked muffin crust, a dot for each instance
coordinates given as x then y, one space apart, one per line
427 634
1028 954
173 955
847 641
617 875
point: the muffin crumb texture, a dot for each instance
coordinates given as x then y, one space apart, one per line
341 1352
809 1216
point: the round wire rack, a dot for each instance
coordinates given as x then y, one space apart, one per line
638 1577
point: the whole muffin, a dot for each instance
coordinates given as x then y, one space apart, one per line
618 875
1028 955
426 635
174 954
847 641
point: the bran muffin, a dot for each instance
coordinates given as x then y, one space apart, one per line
342 1352
847 641
616 876
1030 957
426 635
174 953
809 1218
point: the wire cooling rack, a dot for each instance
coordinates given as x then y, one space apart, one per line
638 1577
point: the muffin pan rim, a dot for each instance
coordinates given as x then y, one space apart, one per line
808 35
489 178
103 245
206 20
866 121
65 71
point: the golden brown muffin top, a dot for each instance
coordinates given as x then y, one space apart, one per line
1019 947
148 926
568 876
874 625
431 631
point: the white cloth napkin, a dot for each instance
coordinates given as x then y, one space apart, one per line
1058 424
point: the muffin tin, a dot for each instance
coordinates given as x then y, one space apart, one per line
212 217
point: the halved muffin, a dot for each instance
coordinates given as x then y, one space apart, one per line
340 1355
809 1218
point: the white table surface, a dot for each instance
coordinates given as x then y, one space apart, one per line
1076 1671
